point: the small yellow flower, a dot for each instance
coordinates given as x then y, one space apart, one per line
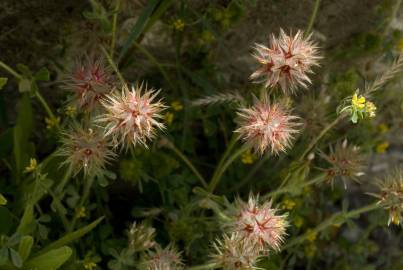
207 37
90 265
382 147
247 157
358 101
383 128
298 221
177 106
169 117
394 217
288 204
33 164
52 122
81 212
311 235
3 200
70 111
178 25
370 109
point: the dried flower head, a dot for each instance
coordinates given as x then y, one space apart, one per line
141 237
286 62
85 149
163 259
90 80
346 162
233 253
391 196
132 116
258 225
266 126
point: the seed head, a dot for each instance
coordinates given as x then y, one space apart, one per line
163 259
258 225
391 196
141 237
232 253
90 80
87 150
132 116
286 62
266 126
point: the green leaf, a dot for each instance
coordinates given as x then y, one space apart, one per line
6 221
24 85
70 237
3 255
24 249
24 70
50 260
27 221
15 258
42 75
3 200
138 28
3 82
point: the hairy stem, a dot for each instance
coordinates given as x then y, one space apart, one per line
10 70
45 105
313 17
84 197
113 65
114 23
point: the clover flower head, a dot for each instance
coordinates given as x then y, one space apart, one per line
90 80
391 196
259 225
346 162
286 62
132 116
163 259
232 252
266 126
141 237
87 150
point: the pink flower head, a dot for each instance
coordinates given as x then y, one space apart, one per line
132 115
267 126
90 80
164 259
258 224
286 62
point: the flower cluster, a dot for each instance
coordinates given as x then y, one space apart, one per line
267 126
286 62
132 116
358 107
141 237
163 259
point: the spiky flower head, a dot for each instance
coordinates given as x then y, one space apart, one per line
141 237
267 127
391 196
132 115
259 225
163 259
233 253
286 62
85 149
90 80
346 160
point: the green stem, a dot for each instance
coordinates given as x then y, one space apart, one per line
114 23
66 178
338 218
187 162
204 266
84 197
113 65
224 165
59 209
10 70
44 105
312 18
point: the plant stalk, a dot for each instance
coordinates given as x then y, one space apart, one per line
312 18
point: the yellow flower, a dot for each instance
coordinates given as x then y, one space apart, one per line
52 122
358 102
70 111
90 265
247 157
288 204
80 212
3 200
298 221
178 25
207 37
383 128
169 117
382 147
33 164
370 109
177 106
311 235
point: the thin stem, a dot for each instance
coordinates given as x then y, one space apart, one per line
113 65
338 218
44 104
221 169
187 162
84 197
66 178
321 134
10 70
114 23
59 209
312 18
204 266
